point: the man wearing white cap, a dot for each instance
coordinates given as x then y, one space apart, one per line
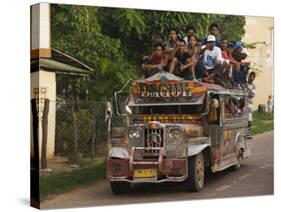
210 64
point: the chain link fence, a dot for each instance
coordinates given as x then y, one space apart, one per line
81 130
79 134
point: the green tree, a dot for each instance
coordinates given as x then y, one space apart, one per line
113 40
76 31
136 28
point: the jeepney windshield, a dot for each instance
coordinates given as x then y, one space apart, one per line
167 109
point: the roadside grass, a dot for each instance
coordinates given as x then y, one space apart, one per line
262 122
65 181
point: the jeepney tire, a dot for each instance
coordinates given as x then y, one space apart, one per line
196 173
120 187
239 157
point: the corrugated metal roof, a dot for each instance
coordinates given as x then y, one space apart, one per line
50 64
62 57
61 63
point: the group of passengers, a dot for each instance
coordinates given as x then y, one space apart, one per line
234 106
211 60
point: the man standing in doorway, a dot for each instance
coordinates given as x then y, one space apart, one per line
252 92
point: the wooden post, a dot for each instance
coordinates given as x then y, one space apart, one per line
94 132
34 162
45 134
76 158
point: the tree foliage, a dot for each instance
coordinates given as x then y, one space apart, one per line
113 40
76 31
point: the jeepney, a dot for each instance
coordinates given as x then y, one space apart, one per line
175 131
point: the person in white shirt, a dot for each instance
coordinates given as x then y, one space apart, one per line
210 64
269 104
251 87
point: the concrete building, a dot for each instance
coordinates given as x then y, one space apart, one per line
46 64
261 29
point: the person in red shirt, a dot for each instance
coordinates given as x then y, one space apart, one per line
155 62
229 64
226 50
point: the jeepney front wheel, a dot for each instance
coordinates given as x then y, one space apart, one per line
120 187
196 172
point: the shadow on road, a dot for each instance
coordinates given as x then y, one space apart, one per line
170 187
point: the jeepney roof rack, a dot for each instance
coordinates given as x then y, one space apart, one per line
218 89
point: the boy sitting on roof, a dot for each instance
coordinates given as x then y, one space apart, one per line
210 65
155 62
170 44
189 30
240 53
229 63
214 30
183 62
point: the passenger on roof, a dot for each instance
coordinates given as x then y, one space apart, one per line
236 66
229 63
189 30
214 29
157 38
193 51
240 53
170 44
210 67
226 51
183 64
155 62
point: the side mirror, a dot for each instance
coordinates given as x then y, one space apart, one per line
120 104
118 132
120 99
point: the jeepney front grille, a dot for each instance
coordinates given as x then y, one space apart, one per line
153 138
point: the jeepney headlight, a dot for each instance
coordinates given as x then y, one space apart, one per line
175 133
134 133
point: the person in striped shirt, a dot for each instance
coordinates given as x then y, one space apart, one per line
251 87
